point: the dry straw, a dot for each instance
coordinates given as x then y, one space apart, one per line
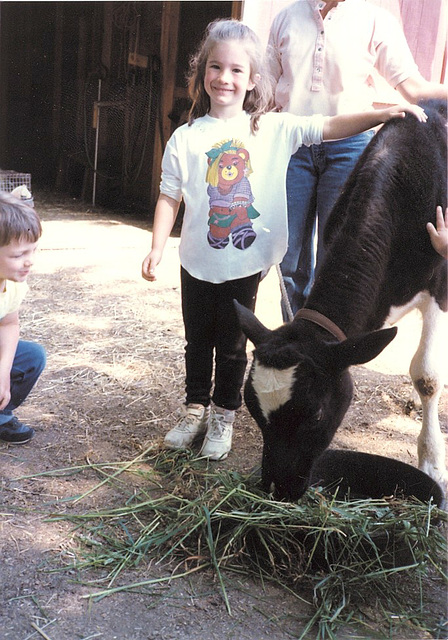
353 554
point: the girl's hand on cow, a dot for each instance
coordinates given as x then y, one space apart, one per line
400 111
439 234
149 265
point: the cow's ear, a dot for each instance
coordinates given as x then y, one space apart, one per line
362 348
250 325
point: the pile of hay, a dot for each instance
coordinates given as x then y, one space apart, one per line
351 552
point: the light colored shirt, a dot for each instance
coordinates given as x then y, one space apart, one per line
325 65
214 161
11 298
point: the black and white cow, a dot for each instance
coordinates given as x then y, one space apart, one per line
379 265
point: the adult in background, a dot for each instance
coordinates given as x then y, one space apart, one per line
322 54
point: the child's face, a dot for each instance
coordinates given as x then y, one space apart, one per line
227 78
16 260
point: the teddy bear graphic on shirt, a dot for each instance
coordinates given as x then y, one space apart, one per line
230 196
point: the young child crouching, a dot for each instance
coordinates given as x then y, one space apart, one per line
21 362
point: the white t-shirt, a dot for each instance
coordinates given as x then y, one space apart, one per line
245 169
325 66
11 298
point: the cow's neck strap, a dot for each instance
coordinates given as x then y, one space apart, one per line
322 321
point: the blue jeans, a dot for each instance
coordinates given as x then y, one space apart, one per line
314 181
29 362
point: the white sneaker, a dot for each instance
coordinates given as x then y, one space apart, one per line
218 439
193 423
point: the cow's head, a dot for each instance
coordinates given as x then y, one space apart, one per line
298 391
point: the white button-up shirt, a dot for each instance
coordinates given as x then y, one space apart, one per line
325 65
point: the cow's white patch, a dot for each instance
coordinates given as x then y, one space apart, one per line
396 313
272 386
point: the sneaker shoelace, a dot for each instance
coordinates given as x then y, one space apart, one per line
188 420
219 425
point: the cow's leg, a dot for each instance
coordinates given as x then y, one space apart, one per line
427 373
397 313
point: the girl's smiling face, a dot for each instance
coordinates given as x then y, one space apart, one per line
227 78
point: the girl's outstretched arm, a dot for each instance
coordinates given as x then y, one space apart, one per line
350 124
439 235
164 219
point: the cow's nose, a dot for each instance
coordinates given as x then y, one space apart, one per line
291 491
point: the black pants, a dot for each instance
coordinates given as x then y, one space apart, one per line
212 330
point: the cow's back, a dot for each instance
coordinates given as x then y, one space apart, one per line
387 201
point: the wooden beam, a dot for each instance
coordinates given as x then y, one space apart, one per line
5 47
81 73
57 77
168 47
168 56
237 9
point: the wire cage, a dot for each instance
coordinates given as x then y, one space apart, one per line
9 180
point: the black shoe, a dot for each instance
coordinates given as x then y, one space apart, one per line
15 432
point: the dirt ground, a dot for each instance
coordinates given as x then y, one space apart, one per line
113 384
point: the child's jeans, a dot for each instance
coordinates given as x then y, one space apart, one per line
212 329
29 362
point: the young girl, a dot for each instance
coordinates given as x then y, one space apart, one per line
229 165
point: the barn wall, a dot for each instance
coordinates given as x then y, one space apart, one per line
27 88
96 84
424 24
59 59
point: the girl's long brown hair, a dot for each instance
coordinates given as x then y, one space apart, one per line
257 101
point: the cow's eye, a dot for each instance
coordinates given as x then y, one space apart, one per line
319 415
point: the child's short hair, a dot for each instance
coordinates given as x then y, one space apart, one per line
257 101
18 221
